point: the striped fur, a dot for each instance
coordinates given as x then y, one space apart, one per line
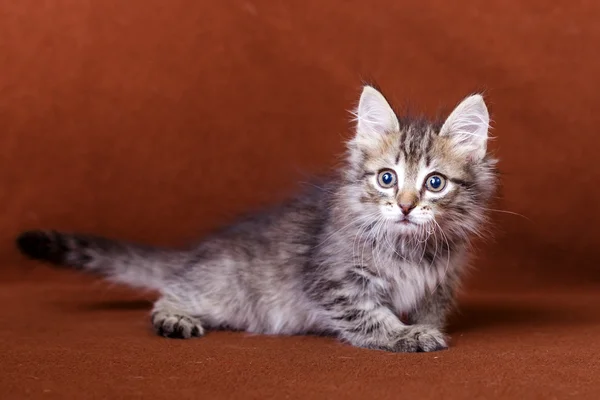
342 259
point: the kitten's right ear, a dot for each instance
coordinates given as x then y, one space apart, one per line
374 116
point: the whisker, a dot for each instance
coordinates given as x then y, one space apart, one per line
375 254
444 237
507 212
318 187
353 222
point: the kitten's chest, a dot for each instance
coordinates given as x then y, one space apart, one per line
407 284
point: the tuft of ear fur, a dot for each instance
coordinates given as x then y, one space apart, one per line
468 126
374 116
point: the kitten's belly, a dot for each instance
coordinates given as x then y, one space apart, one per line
278 318
289 319
275 312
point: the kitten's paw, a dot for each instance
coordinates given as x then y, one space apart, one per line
420 338
176 326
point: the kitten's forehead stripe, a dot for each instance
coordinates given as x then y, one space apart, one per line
461 182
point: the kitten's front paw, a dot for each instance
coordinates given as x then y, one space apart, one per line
420 338
176 326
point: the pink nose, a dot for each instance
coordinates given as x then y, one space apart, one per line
406 208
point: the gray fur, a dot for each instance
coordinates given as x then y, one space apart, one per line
324 262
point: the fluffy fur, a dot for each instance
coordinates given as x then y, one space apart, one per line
348 258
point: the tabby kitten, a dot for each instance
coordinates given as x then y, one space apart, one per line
386 238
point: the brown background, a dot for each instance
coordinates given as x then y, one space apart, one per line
156 121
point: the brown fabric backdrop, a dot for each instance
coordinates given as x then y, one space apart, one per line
156 121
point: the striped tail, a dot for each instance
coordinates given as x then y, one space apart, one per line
131 264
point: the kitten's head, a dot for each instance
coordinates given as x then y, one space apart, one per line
416 177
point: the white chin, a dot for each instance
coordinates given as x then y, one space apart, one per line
406 227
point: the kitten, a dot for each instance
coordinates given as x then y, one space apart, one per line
387 237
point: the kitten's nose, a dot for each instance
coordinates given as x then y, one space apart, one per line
406 208
407 201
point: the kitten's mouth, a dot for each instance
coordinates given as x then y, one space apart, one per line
406 222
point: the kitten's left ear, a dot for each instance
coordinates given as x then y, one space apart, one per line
467 126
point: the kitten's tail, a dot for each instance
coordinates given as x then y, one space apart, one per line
131 264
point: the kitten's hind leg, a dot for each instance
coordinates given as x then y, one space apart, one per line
170 321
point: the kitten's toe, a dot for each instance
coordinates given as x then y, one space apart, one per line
176 326
432 340
406 344
421 338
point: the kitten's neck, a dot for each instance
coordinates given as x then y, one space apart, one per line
426 248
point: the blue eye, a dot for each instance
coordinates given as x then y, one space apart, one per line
435 183
386 178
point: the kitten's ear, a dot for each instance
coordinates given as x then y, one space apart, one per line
468 126
374 115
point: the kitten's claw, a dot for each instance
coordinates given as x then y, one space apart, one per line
176 326
420 338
